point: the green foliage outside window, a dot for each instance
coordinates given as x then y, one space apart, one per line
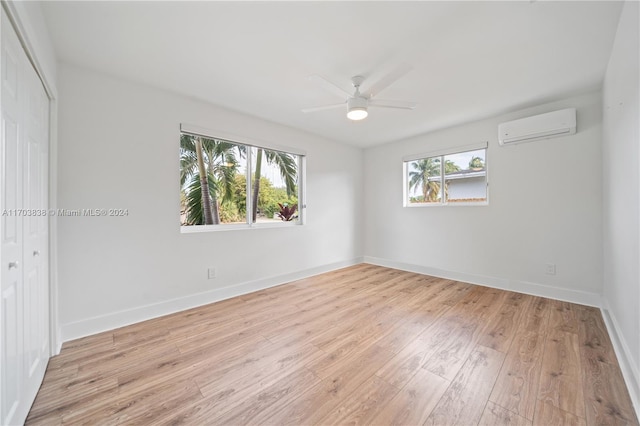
222 197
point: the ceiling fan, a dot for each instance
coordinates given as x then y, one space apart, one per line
358 103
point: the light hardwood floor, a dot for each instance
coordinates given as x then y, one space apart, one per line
361 345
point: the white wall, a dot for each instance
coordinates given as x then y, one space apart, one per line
544 207
118 148
621 207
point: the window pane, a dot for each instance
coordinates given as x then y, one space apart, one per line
215 199
424 180
465 177
274 184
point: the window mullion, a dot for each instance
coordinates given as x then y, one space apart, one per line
302 207
442 200
249 200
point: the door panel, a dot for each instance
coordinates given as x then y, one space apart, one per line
36 306
11 352
11 344
24 292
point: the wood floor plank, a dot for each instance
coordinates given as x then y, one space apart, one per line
560 377
548 414
65 394
564 316
426 294
415 401
371 320
454 291
139 407
607 399
451 353
421 283
219 362
359 345
502 328
226 391
311 406
288 387
89 342
212 410
234 334
404 365
196 324
409 328
464 401
495 415
594 339
401 368
270 365
362 407
476 315
309 326
61 400
516 388
79 352
273 308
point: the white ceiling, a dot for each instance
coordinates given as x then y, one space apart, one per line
467 60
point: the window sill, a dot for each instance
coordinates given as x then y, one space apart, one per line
420 205
235 227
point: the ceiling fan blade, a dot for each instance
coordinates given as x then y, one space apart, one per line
387 80
332 87
324 107
381 103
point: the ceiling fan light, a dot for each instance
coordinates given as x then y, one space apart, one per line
357 113
357 108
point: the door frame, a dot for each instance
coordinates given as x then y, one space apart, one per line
23 28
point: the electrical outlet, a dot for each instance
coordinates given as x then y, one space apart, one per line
550 269
211 273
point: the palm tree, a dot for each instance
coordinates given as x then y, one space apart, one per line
476 163
450 167
287 165
209 166
195 199
423 170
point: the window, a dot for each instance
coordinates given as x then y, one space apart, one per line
455 176
246 185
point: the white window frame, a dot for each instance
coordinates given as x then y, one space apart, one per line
442 153
251 143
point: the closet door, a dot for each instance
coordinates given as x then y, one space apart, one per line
11 295
35 237
24 299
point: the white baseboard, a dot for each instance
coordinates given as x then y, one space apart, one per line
623 353
564 294
98 324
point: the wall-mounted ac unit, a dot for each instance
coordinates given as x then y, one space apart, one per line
543 126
